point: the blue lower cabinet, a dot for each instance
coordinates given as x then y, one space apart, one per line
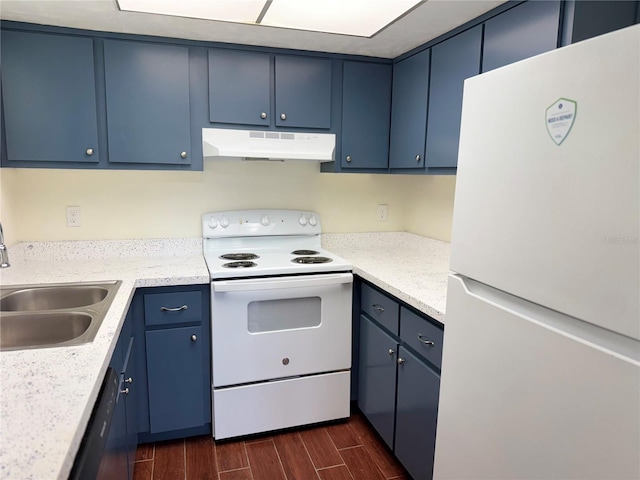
399 381
175 373
416 415
377 378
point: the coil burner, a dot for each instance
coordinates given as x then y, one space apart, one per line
239 265
239 256
304 252
308 260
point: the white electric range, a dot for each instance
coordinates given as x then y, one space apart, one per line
280 321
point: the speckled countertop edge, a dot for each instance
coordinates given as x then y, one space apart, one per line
413 268
47 395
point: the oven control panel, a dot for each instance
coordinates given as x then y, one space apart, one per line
267 222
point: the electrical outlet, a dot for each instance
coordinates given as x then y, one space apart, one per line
382 213
73 216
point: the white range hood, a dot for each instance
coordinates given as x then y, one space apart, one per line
267 145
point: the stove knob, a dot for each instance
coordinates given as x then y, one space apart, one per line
213 223
302 220
224 223
312 221
265 220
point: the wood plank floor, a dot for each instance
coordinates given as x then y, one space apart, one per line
348 450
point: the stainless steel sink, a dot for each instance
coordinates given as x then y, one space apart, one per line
40 316
52 298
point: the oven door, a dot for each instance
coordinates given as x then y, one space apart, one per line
269 328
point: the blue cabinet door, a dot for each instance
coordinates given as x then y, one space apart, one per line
452 61
409 111
239 87
592 18
49 98
526 30
377 378
175 378
147 94
366 115
302 92
130 390
416 416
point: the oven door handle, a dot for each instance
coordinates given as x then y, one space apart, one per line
279 283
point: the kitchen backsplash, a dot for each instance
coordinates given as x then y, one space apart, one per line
159 204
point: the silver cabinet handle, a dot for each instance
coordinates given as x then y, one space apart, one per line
177 309
183 154
400 360
193 338
125 391
263 115
348 158
418 158
129 380
89 151
391 352
425 341
378 308
283 116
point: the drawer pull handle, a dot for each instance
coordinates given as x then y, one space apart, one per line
125 391
129 380
426 342
378 308
194 338
177 309
391 352
400 360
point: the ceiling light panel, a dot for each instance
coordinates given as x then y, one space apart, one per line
240 11
347 17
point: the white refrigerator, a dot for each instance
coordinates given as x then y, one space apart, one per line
541 361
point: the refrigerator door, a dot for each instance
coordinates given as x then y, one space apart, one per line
547 205
530 393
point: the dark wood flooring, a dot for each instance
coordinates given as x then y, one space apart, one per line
348 450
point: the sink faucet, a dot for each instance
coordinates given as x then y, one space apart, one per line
4 254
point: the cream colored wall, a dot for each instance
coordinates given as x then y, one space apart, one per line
428 205
151 204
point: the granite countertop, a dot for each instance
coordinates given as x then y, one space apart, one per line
47 395
410 267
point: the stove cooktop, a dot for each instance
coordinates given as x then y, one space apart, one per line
251 243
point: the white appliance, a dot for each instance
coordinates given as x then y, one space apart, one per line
266 145
541 361
280 322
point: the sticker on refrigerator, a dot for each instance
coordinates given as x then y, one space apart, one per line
560 118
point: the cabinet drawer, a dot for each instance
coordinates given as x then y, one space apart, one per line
416 332
168 308
381 308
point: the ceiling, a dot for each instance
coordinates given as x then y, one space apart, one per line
426 22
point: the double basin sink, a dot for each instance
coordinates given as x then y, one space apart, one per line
53 315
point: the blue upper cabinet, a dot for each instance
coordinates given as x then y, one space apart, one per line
254 88
588 19
147 94
524 31
302 92
366 115
409 111
452 61
49 98
239 87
